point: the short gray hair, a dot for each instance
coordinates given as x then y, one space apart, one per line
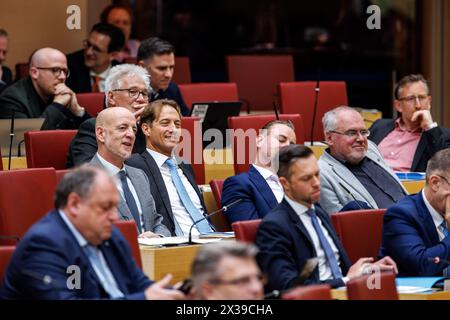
329 120
117 73
439 163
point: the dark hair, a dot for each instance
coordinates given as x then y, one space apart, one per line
105 13
154 46
439 163
116 36
272 123
153 109
288 155
3 33
407 80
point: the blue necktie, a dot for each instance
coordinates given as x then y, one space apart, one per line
104 274
443 226
329 254
131 203
203 226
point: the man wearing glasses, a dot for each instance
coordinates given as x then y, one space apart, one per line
44 94
352 169
408 142
415 230
91 65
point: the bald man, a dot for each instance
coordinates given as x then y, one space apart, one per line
115 130
43 93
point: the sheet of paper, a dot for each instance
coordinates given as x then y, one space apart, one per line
173 241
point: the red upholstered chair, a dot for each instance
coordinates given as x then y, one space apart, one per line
48 148
208 92
245 231
299 97
6 253
311 292
191 147
257 77
93 102
360 232
60 174
22 70
129 231
182 72
25 196
247 146
219 220
369 288
130 60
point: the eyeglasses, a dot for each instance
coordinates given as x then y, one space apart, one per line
445 179
240 281
354 133
87 45
56 71
412 99
134 93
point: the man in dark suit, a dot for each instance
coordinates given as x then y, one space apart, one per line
415 229
5 72
259 188
172 181
158 57
44 94
298 230
127 86
75 252
408 142
90 66
115 131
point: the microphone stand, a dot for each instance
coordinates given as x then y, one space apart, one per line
316 100
224 209
11 139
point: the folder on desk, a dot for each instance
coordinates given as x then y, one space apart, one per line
421 282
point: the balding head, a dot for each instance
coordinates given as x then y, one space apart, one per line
115 130
46 55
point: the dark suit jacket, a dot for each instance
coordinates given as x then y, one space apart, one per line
146 162
285 246
84 145
258 198
22 98
430 141
410 238
49 248
173 93
6 79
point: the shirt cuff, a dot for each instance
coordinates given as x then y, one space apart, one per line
431 126
345 280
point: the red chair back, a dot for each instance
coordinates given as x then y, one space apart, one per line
311 292
208 92
244 149
299 97
373 288
245 231
60 174
48 148
93 102
360 232
257 77
22 70
182 72
25 197
129 231
191 148
6 253
219 220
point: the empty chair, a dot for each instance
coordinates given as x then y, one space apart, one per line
192 148
257 77
6 253
129 231
93 102
208 92
311 292
243 160
371 288
219 220
48 148
245 231
299 97
182 72
360 232
25 196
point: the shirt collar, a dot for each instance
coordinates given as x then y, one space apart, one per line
112 169
266 173
437 218
298 207
158 157
102 75
80 239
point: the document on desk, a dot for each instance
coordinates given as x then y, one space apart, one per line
170 241
416 284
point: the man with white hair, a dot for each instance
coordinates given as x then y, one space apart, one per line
44 94
127 86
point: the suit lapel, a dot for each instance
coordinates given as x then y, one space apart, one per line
298 223
261 185
420 150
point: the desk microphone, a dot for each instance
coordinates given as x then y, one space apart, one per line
45 279
353 197
437 260
316 101
224 209
11 139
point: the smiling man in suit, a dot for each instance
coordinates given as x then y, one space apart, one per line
115 129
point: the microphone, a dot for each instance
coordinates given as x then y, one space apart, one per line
353 197
316 100
224 209
276 110
11 139
437 260
45 279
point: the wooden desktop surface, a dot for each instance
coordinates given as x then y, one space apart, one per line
439 295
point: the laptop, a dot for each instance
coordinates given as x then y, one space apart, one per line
20 127
214 115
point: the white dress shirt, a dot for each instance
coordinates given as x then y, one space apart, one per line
182 217
437 218
273 182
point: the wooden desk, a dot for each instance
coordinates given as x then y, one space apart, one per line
440 295
157 262
16 163
413 186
